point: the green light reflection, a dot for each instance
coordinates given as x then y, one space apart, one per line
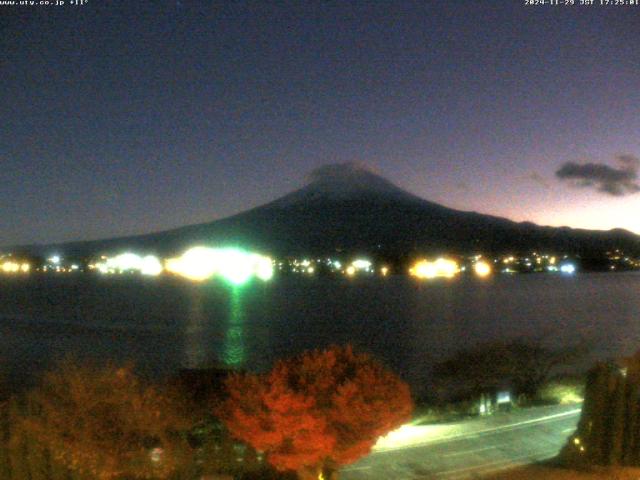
234 351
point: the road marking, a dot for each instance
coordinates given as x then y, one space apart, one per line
567 430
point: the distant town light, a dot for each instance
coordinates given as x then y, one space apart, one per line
361 264
423 269
125 262
234 265
151 265
102 268
197 264
482 268
442 267
10 267
264 268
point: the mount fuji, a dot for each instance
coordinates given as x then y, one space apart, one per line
346 208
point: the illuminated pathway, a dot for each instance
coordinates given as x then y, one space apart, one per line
469 449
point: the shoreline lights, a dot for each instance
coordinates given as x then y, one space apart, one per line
234 265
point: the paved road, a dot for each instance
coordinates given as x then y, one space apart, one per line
468 449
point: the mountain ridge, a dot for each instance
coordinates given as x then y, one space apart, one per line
346 208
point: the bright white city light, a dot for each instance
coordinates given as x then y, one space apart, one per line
568 268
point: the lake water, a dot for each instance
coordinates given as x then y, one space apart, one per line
165 324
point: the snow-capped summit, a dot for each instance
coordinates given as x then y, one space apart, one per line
344 181
340 178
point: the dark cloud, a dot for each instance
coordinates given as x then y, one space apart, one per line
604 178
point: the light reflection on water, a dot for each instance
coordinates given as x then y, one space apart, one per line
205 328
164 325
233 352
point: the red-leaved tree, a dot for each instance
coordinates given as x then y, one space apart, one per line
316 411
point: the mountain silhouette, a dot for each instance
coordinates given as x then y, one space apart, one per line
348 209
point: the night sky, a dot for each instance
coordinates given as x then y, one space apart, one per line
122 117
